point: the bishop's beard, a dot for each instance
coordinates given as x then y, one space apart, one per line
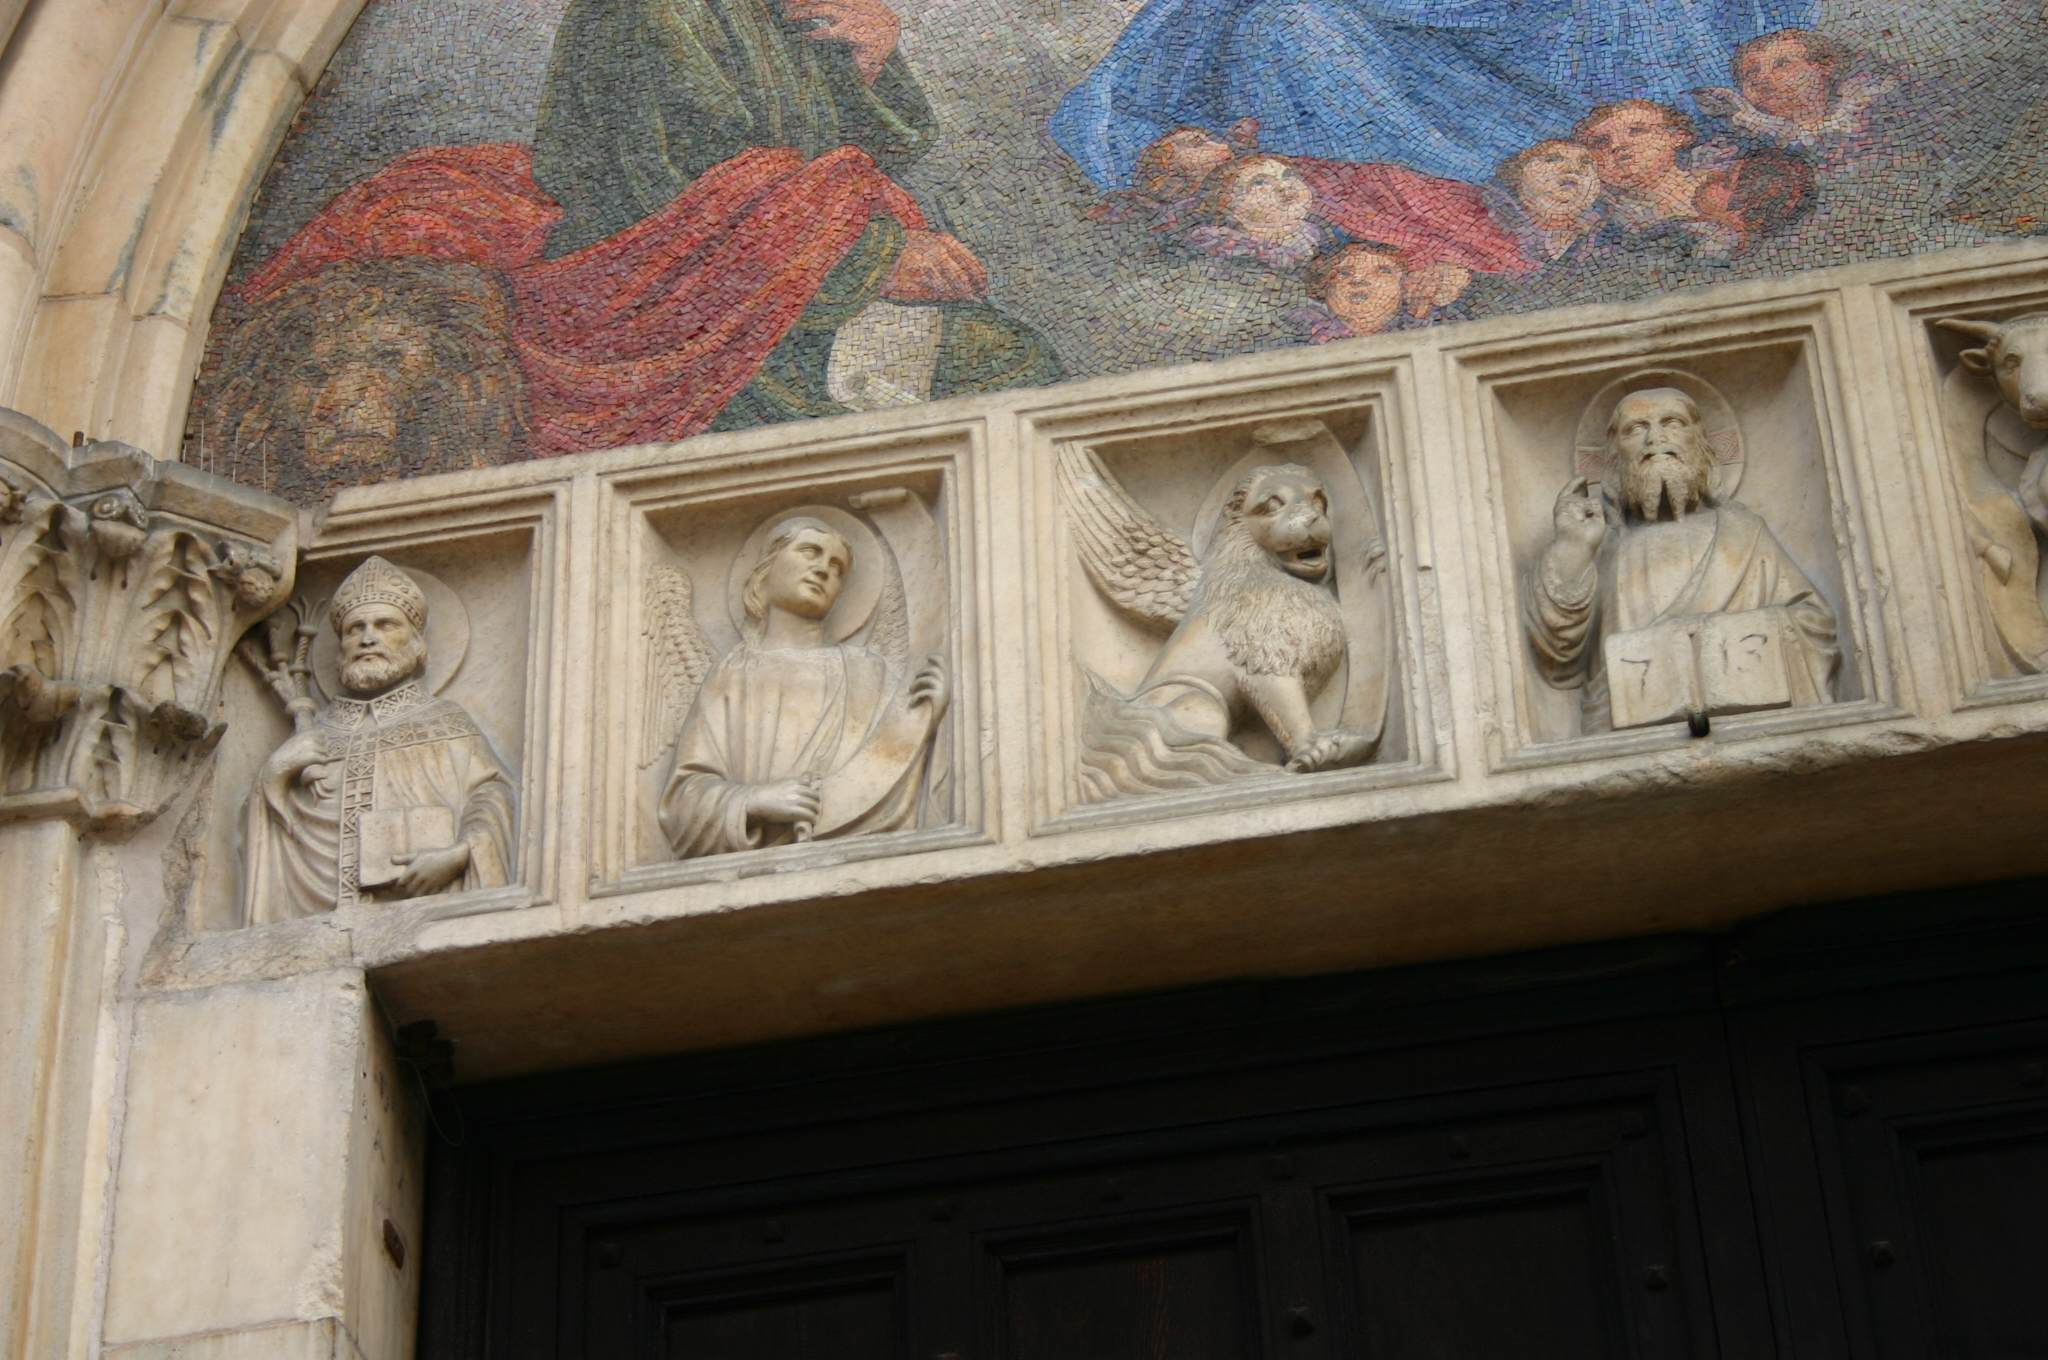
1666 487
375 674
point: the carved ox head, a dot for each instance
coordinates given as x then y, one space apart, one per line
2014 354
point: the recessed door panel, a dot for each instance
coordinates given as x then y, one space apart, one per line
1941 1149
1519 1270
1185 1295
855 1316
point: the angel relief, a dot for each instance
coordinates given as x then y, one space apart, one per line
1280 591
821 721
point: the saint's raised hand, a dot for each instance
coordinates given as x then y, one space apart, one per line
931 686
869 28
935 267
1578 515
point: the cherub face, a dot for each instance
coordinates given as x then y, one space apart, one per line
1557 183
1288 514
1267 198
1780 77
1364 290
1634 145
807 573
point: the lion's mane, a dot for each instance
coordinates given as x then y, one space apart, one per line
1270 623
467 410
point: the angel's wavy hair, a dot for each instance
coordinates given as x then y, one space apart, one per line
753 595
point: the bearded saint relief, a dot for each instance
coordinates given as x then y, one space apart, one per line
821 722
1262 613
1659 598
385 792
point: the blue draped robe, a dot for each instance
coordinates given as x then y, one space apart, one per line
1447 87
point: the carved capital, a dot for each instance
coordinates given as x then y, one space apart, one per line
125 583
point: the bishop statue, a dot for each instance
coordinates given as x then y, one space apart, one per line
387 792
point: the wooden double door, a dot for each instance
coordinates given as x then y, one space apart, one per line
1824 1136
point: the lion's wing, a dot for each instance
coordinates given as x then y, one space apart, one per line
678 659
1143 568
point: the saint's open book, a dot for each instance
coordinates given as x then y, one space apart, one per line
1706 664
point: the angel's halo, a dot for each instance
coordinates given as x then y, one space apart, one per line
856 602
1717 417
447 638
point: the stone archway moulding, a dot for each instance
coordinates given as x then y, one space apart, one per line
105 292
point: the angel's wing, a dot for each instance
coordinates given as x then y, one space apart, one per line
1143 568
678 659
890 634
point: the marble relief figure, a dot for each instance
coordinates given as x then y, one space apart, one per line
1995 407
1660 599
800 732
1254 630
385 792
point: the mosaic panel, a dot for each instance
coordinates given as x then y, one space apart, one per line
508 229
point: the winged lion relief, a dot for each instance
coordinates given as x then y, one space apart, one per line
1274 615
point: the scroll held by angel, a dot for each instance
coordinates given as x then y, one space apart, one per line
797 733
1255 630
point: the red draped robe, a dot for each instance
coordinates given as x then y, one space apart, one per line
644 336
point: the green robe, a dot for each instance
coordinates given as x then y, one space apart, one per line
643 96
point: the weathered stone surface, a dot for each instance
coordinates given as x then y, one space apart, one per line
268 1134
322 1340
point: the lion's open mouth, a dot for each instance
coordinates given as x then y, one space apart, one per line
1308 563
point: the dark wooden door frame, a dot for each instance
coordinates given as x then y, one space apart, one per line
1713 1031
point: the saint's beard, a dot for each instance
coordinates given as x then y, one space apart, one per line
375 674
1664 488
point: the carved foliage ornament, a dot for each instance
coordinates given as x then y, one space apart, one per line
124 585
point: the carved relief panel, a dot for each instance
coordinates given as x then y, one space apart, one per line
797 666
1973 348
386 790
1994 428
1233 610
1679 552
383 756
